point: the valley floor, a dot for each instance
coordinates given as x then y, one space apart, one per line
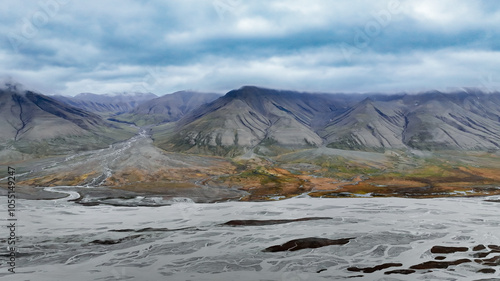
137 168
143 215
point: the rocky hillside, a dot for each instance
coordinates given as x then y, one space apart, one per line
33 123
268 122
254 119
429 121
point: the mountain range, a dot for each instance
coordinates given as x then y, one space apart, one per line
32 123
268 121
167 108
253 120
466 120
108 103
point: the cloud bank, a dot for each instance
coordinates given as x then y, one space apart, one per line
68 46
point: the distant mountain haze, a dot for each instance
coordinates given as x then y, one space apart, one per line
168 108
110 103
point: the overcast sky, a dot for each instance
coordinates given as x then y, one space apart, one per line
69 46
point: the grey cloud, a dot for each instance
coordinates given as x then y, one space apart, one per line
218 45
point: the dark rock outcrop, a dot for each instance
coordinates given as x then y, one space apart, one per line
439 264
375 268
306 243
447 250
269 222
400 271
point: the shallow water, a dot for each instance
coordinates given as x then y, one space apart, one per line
61 240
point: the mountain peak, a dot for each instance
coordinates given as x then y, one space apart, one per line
28 116
255 93
246 91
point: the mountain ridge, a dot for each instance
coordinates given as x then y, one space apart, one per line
108 103
34 123
249 117
271 122
167 108
246 118
264 144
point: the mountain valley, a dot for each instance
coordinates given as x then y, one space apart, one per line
254 144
